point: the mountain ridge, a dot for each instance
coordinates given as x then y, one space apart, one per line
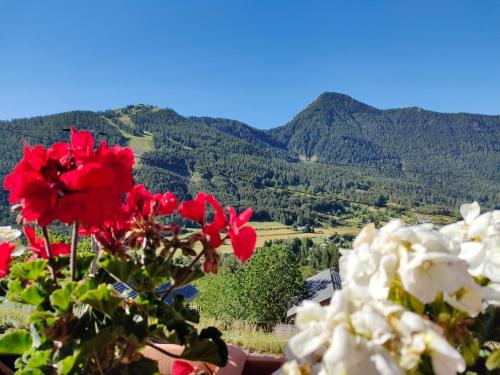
336 148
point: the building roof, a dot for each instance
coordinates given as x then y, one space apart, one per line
320 287
188 291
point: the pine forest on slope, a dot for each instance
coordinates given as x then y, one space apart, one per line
335 157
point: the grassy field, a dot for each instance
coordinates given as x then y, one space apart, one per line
14 315
248 337
272 230
141 144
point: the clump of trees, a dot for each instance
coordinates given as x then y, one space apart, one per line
271 282
260 292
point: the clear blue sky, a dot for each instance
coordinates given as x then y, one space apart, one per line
256 61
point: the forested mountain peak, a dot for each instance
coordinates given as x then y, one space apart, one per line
337 128
339 102
337 147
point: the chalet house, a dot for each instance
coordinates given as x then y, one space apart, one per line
320 288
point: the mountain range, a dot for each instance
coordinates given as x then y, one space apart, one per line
335 155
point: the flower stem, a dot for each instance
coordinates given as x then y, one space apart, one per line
48 250
98 364
5 369
74 247
151 344
94 249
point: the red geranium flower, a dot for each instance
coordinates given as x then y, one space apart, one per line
70 182
243 238
142 203
196 210
37 245
6 249
168 203
182 368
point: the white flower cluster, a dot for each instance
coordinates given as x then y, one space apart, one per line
476 239
7 234
421 257
366 337
363 332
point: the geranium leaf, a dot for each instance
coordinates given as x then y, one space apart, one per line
493 361
209 348
33 295
84 259
66 365
102 299
62 299
15 342
181 305
35 270
142 366
122 269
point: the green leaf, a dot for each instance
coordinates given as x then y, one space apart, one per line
62 299
30 371
34 295
102 299
181 305
122 269
142 366
84 286
208 348
15 290
86 350
84 259
34 270
179 272
15 342
39 358
43 318
157 269
66 365
493 361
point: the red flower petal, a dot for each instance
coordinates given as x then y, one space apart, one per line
243 243
182 368
168 203
60 248
37 197
194 209
6 250
88 176
82 143
37 245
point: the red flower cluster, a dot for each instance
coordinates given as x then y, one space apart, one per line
6 249
142 203
76 182
142 206
69 182
243 238
37 245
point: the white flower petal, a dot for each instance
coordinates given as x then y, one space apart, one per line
445 359
470 211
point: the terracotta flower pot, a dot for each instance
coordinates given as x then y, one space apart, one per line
239 362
